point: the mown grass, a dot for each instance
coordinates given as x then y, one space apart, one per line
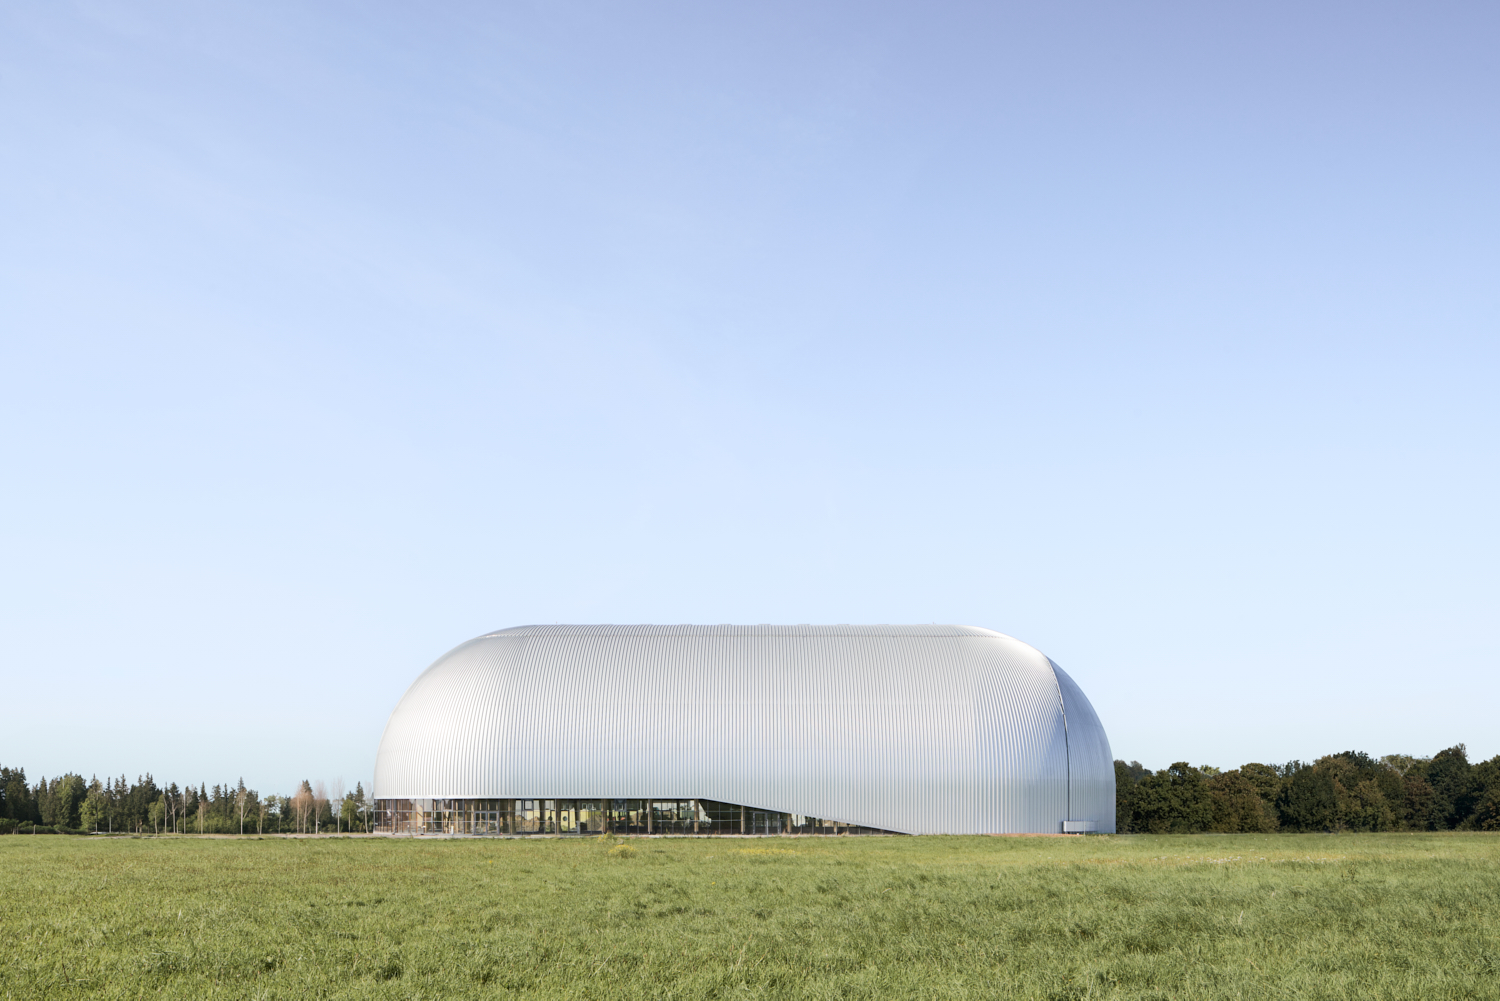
1252 916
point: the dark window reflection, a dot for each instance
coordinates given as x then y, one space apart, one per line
584 817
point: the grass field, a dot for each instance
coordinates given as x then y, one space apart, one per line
1240 916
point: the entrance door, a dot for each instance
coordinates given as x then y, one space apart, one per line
764 822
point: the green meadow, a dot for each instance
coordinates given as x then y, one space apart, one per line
1194 916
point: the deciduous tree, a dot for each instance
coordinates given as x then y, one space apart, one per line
95 808
1453 792
1175 800
302 803
69 800
1238 806
1307 799
320 802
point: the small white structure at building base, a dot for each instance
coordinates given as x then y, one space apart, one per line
907 729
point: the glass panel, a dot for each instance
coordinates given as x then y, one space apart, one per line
592 816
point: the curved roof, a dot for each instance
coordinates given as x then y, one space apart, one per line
919 729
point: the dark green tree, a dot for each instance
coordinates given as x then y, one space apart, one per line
1486 776
46 802
359 805
1416 812
188 814
1486 779
1453 788
1308 802
1127 778
1266 779
1238 805
139 800
17 799
1175 800
68 800
1360 803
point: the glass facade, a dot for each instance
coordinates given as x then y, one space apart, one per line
593 817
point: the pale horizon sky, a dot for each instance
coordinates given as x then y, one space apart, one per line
1162 337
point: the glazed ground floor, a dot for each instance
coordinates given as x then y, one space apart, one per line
593 817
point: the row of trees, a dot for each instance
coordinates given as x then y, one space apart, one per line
1349 791
69 803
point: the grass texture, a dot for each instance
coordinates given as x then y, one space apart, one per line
1237 916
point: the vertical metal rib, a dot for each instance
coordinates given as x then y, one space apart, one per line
1062 707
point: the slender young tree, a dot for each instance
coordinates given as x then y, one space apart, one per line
338 797
240 795
303 803
320 797
95 805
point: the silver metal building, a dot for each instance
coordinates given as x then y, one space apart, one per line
908 729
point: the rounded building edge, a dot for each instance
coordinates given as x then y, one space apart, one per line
1091 764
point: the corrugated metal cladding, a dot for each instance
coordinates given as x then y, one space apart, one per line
918 729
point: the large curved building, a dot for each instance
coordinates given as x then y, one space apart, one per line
744 729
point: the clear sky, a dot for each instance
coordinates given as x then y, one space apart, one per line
1161 336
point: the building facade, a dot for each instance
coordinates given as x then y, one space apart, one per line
744 730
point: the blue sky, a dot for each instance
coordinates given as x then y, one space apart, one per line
1162 337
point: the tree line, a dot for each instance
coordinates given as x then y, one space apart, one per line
1348 791
70 805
